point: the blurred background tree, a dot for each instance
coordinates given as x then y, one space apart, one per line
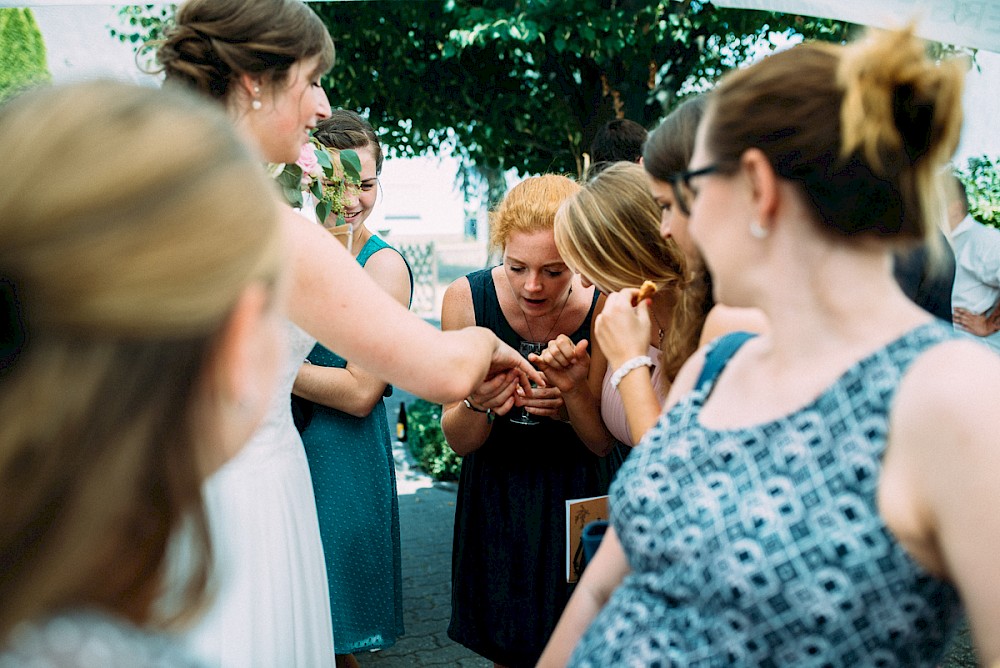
525 84
22 52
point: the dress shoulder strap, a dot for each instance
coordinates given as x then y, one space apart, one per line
374 244
719 354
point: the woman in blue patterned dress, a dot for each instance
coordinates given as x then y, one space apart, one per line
347 440
816 500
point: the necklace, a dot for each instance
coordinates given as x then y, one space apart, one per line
659 339
528 324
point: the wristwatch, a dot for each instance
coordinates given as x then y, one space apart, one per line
488 412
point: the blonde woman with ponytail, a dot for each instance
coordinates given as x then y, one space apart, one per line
821 494
608 232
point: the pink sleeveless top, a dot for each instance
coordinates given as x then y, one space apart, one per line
612 407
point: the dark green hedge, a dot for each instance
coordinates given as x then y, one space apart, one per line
427 443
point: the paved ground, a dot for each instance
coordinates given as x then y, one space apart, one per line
426 518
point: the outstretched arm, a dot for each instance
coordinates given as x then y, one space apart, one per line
466 427
333 299
351 389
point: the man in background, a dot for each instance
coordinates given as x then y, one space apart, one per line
618 140
976 292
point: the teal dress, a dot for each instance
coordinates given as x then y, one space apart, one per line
354 481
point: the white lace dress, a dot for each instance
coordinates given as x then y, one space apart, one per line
272 607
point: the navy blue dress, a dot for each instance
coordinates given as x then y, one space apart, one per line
508 562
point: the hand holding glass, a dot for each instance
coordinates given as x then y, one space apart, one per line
521 415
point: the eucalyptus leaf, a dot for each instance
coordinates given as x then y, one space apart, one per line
293 196
323 158
291 176
352 164
322 210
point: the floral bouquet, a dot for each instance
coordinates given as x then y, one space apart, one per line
327 175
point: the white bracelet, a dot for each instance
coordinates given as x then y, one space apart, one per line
628 367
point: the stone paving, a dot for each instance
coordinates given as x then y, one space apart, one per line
426 518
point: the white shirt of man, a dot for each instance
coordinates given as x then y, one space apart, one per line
977 271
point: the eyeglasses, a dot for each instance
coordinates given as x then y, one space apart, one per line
683 195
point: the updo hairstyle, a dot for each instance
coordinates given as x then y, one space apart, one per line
863 130
211 43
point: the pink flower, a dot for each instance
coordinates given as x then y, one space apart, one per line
307 161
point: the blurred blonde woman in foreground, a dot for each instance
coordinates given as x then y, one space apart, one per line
823 493
140 267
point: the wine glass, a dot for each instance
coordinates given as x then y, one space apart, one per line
521 415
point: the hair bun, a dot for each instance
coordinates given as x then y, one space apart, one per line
899 106
192 56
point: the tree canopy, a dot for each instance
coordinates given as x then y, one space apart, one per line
525 84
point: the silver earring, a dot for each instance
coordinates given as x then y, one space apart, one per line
757 231
256 105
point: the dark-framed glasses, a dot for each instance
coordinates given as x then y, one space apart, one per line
680 182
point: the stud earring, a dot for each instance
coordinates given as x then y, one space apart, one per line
256 105
757 231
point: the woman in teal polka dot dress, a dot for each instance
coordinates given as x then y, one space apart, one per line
347 440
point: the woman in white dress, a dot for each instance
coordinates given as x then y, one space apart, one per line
263 60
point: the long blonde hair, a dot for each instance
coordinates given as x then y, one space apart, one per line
131 220
610 232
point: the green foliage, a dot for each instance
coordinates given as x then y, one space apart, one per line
22 52
427 442
982 186
141 24
331 192
525 84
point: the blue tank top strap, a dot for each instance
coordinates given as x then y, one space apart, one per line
374 244
719 354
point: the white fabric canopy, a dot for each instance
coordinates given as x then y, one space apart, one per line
970 23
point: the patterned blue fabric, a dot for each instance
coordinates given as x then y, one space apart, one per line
763 545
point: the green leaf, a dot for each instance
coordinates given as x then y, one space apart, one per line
323 158
322 210
351 163
290 176
293 196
